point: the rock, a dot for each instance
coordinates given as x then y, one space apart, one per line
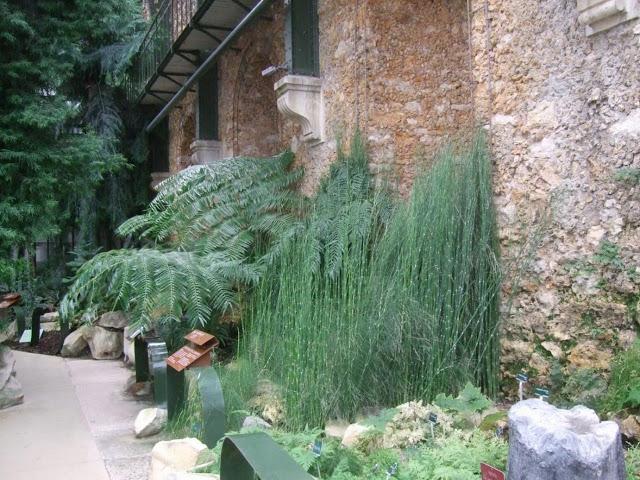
128 347
150 421
587 355
548 442
255 422
75 343
354 433
50 327
117 320
104 344
10 332
336 428
10 389
192 476
554 349
49 317
630 427
177 456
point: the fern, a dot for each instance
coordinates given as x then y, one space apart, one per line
211 231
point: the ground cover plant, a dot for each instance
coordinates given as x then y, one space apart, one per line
376 303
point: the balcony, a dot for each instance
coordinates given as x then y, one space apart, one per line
179 36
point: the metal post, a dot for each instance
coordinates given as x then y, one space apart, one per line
35 325
157 360
175 392
141 359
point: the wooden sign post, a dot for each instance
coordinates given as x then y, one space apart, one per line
197 353
491 473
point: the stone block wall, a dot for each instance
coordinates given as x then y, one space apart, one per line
562 111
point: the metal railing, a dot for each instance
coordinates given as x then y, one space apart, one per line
172 17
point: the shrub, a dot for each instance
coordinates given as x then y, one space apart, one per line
624 385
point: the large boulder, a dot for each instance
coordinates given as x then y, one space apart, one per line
548 442
150 421
354 434
104 344
49 317
10 389
177 456
75 343
116 320
128 346
253 422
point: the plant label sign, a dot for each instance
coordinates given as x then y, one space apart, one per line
542 393
522 378
433 418
316 448
491 473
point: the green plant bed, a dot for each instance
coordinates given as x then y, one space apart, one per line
375 302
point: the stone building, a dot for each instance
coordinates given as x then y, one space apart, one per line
555 83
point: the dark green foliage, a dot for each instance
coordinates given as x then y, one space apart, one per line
372 305
456 457
624 384
209 232
56 136
469 400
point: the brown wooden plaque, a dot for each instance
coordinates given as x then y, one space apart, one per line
9 300
200 338
185 357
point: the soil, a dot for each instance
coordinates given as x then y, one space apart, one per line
50 344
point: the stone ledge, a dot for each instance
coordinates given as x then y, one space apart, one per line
300 99
157 178
601 15
206 152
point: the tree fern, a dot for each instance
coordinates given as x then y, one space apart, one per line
210 231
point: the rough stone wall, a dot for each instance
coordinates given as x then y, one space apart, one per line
563 110
563 115
249 120
182 132
398 70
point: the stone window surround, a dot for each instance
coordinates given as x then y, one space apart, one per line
601 15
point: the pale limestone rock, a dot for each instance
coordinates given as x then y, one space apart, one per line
548 442
336 428
630 427
177 456
75 343
49 317
354 433
588 355
104 344
255 422
10 389
150 421
128 346
116 320
192 476
9 332
554 349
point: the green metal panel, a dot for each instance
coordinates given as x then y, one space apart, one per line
158 366
256 455
304 37
142 360
213 416
175 392
208 105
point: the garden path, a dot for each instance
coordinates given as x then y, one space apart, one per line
75 423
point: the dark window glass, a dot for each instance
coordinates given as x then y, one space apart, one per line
304 37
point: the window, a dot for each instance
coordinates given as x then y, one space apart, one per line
207 119
302 37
